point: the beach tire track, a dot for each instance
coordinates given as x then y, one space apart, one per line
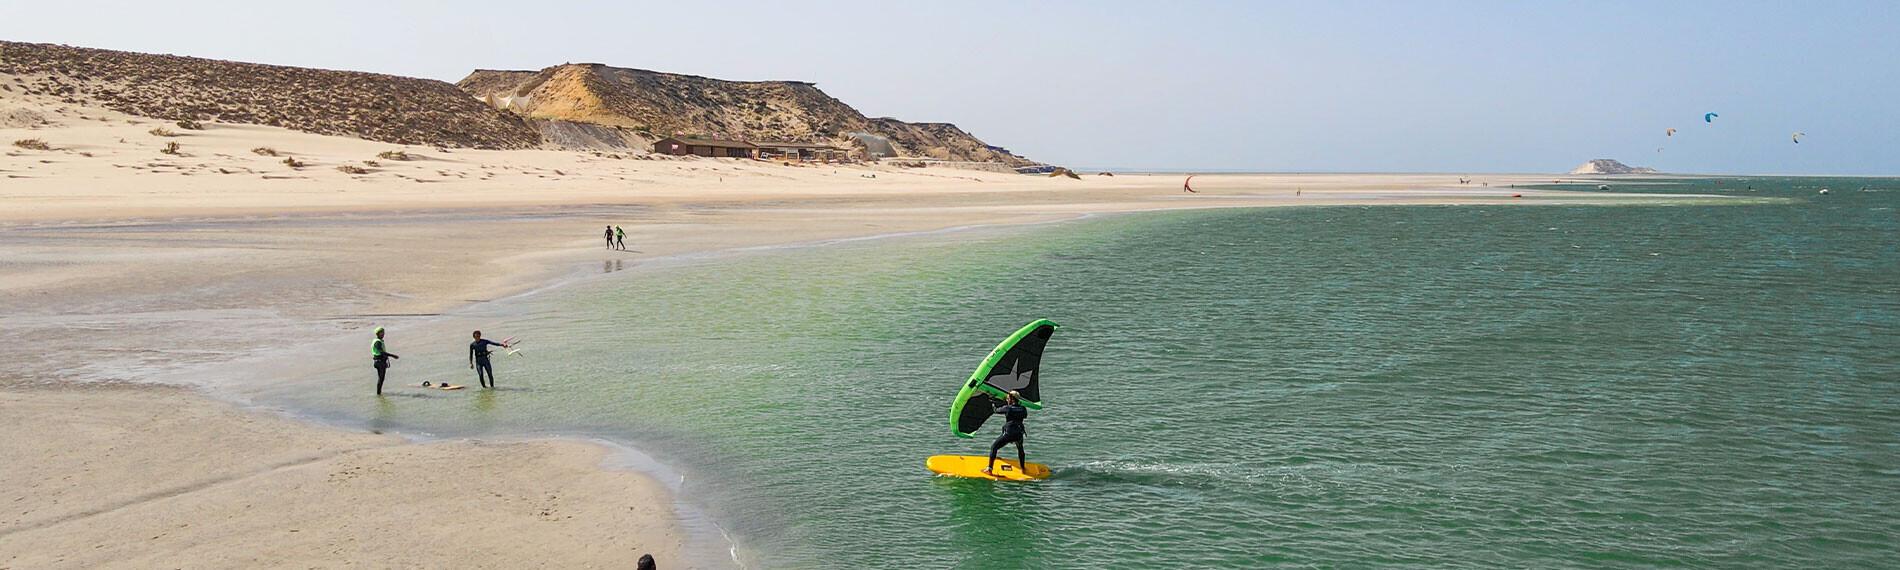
181 490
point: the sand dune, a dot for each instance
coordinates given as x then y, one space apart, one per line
369 105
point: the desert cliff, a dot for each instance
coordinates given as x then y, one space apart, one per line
577 105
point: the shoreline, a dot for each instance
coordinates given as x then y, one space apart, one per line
125 282
577 272
678 504
702 535
261 495
699 529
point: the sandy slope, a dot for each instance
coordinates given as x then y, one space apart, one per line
122 263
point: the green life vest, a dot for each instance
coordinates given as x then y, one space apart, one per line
376 347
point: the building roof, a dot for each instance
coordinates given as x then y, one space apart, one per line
691 141
796 145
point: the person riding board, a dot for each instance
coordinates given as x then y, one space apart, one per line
478 359
1013 415
379 356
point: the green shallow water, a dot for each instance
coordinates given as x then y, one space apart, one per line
1709 386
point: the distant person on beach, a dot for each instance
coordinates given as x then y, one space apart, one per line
610 237
620 238
379 356
1013 415
645 563
478 359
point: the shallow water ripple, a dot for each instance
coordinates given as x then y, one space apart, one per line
1550 387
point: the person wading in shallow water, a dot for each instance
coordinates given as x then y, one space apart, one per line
478 359
1013 415
379 356
620 238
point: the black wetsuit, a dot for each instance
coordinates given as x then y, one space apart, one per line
478 355
379 358
1013 415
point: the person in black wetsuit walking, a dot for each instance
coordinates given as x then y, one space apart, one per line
478 359
1013 415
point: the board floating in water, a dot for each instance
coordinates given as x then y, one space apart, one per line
971 466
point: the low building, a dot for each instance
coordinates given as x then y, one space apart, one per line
682 146
802 152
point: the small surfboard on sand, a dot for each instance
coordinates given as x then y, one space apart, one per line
971 466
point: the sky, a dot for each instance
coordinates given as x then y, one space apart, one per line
1419 86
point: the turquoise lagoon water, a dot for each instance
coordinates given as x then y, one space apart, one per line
1683 385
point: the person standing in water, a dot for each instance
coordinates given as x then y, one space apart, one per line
620 238
478 359
1013 415
379 356
610 237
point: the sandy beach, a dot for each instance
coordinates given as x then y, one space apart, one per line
124 265
142 477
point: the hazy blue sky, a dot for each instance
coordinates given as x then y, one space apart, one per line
1354 86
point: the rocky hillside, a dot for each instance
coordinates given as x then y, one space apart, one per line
641 104
940 140
377 107
1608 166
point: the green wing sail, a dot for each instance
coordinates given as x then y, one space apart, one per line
1015 364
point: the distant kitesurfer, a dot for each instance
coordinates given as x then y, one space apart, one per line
478 359
610 237
1013 415
620 238
379 356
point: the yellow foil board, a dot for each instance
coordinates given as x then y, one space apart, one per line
971 466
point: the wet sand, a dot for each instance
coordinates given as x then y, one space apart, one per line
146 477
